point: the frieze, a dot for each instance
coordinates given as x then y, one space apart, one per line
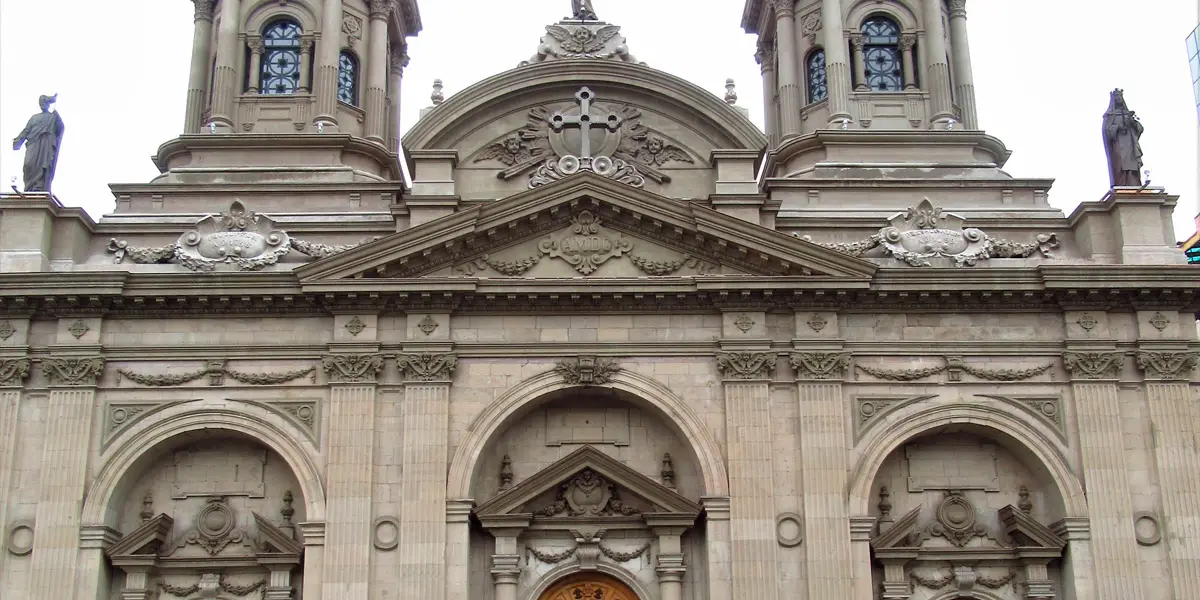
1168 366
352 368
587 370
215 370
820 365
13 371
1093 365
427 367
73 371
956 366
746 365
923 233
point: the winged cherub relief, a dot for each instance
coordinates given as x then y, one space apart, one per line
651 150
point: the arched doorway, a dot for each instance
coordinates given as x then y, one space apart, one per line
589 586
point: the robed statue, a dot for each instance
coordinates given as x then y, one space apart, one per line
583 11
42 138
1121 133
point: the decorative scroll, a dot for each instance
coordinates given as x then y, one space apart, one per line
427 367
746 365
73 371
613 168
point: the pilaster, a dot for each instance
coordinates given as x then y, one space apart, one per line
458 547
861 530
1077 572
823 469
423 527
1094 375
348 470
747 376
718 547
13 372
72 381
1168 375
312 534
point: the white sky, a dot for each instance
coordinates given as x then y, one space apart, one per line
1043 70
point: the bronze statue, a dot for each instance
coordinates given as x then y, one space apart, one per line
42 138
1121 133
582 10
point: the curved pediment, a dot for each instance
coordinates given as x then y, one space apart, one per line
504 127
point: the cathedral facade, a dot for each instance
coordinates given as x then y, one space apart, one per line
612 341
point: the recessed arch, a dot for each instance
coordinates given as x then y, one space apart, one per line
897 10
260 13
153 433
561 572
498 414
1034 438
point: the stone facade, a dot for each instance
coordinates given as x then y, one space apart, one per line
591 349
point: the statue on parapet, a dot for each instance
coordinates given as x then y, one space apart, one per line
582 10
1122 130
42 138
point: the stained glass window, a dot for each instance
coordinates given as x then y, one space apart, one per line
881 55
817 89
347 79
281 58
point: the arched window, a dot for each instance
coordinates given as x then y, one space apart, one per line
281 58
817 89
881 54
347 79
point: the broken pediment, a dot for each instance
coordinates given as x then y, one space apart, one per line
587 485
585 226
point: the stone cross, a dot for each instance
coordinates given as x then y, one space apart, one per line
585 121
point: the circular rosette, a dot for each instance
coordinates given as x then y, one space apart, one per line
568 165
603 165
215 520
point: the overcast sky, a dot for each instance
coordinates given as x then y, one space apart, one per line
1043 70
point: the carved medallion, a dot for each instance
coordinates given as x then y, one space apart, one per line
7 330
427 325
586 247
587 494
744 322
956 520
78 328
355 326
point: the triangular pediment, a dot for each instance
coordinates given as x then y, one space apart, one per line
600 470
585 226
146 540
273 540
901 533
1024 530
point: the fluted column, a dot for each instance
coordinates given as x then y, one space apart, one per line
348 467
747 377
396 64
198 73
937 69
765 56
823 471
64 469
789 90
426 412
964 81
13 372
837 67
1168 394
375 99
858 40
1094 378
253 72
228 56
327 64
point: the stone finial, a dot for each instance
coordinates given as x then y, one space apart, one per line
287 511
1023 501
437 97
730 92
885 510
506 473
668 471
147 507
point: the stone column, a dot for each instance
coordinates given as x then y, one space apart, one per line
228 57
1094 378
938 81
670 568
348 467
717 547
13 372
964 81
506 560
458 548
72 382
837 67
824 470
398 61
327 64
1077 571
789 91
312 534
1168 394
861 529
747 377
375 98
198 73
426 413
254 71
858 40
765 56
907 42
306 48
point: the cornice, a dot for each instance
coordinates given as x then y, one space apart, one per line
48 202
860 137
272 141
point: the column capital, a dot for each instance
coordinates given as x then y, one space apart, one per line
379 9
255 44
670 568
352 368
13 372
858 40
427 367
784 9
398 59
743 366
306 43
204 10
1165 366
1093 365
824 366
73 371
907 41
958 9
765 57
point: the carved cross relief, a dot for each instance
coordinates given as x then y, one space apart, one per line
585 121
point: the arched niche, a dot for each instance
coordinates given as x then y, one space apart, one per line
258 14
567 574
